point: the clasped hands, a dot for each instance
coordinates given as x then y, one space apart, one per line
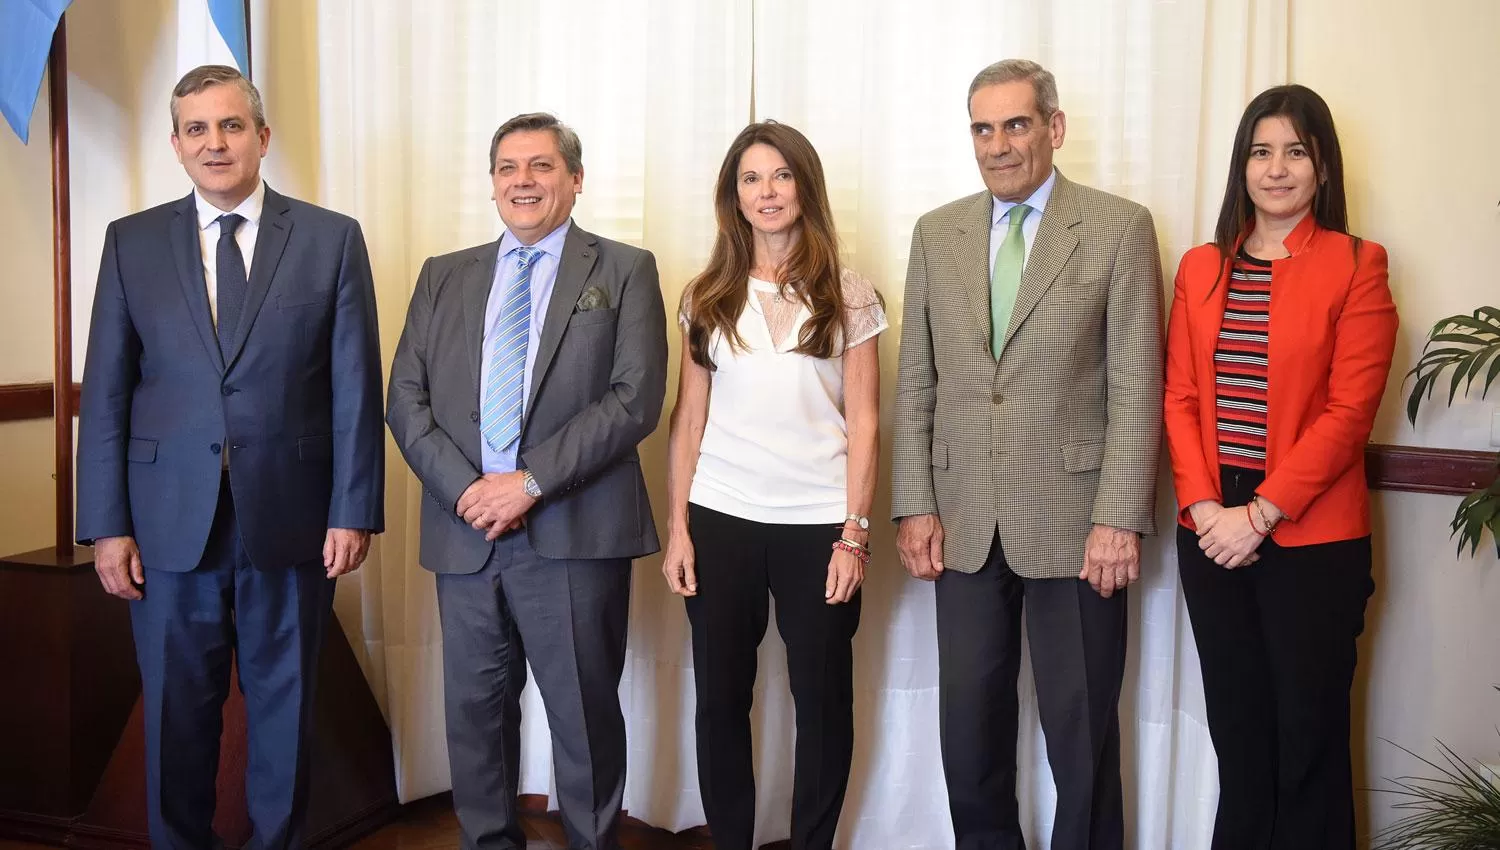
495 503
1227 535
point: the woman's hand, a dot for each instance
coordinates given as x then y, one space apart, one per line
678 565
1202 510
846 572
1229 538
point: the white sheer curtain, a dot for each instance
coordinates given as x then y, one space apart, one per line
407 98
1152 89
409 95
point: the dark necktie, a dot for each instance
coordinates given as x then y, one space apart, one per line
232 280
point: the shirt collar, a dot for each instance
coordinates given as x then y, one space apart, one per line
1037 201
551 244
249 209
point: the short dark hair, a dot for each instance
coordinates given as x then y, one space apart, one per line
567 140
204 76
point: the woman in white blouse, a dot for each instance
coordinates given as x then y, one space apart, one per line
771 476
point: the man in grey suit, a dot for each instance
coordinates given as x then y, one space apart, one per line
1028 418
528 371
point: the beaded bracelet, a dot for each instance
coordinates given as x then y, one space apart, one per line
861 553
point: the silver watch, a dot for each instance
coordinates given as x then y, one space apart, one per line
528 483
862 521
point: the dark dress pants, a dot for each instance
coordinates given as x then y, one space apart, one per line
1077 641
188 628
738 561
1276 643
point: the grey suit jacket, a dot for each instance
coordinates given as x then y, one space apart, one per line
596 392
1064 430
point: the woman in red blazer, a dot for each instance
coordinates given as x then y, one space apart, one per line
1278 347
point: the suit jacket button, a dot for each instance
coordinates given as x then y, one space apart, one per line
474 416
228 390
215 448
997 398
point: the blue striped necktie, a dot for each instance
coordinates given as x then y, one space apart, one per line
500 415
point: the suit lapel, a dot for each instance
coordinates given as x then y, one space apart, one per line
972 253
1054 244
270 243
479 278
187 253
580 250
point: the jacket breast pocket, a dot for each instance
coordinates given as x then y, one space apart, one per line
141 450
939 454
599 316
319 447
298 300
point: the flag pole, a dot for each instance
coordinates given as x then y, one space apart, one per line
62 288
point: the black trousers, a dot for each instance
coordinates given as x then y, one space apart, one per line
1276 641
1077 641
737 562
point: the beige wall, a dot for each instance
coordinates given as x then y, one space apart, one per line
1414 98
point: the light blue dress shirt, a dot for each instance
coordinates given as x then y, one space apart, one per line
998 223
543 279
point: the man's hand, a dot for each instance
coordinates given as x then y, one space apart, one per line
496 503
117 560
1111 559
344 550
919 540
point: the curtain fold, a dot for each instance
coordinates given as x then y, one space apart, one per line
406 99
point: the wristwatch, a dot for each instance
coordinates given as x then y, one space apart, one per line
528 483
862 521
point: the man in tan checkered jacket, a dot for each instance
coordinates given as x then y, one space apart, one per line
1028 420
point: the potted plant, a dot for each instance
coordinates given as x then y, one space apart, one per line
1470 346
1458 808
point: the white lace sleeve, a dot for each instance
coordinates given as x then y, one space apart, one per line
864 317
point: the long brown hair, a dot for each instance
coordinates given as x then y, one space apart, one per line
811 273
1313 123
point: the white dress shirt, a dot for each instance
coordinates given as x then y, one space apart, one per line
999 224
208 239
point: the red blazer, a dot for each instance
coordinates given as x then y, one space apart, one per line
1331 336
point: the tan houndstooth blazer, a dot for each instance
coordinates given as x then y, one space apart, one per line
1065 430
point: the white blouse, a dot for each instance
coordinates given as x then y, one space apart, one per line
775 446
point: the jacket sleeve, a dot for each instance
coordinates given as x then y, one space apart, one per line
916 396
1363 345
1190 470
437 461
358 496
1132 437
110 374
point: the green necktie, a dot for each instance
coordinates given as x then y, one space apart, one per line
1005 281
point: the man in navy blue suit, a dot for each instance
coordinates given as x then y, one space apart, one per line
230 457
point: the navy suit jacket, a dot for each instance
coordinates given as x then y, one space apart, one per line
297 401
